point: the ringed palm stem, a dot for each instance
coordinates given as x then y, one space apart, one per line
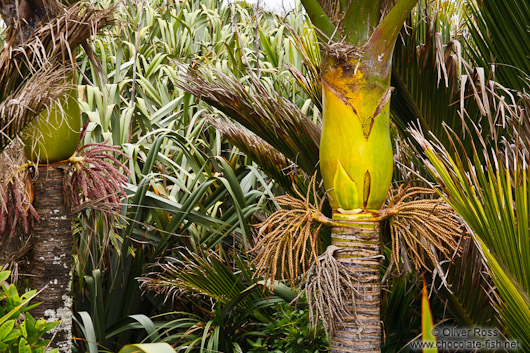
356 163
359 239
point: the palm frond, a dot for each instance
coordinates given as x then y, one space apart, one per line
491 195
501 37
205 273
431 78
469 294
284 171
267 114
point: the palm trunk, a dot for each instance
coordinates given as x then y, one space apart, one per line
27 13
361 253
50 260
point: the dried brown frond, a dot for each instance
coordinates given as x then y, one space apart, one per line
16 193
329 287
260 109
422 227
96 178
165 281
32 74
41 90
288 239
407 161
516 146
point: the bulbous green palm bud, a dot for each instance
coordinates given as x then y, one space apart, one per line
355 150
54 135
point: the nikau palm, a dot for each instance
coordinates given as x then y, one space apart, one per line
356 159
356 162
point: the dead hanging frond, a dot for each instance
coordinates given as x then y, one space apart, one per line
255 105
330 289
515 147
44 88
33 74
289 238
16 193
95 178
420 228
166 281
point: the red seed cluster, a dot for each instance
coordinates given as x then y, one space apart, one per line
96 176
16 210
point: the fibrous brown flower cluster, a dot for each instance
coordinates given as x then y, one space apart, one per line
289 239
330 289
421 227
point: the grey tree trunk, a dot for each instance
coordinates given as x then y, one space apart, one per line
28 13
362 250
50 260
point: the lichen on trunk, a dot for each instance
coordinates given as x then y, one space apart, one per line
50 259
